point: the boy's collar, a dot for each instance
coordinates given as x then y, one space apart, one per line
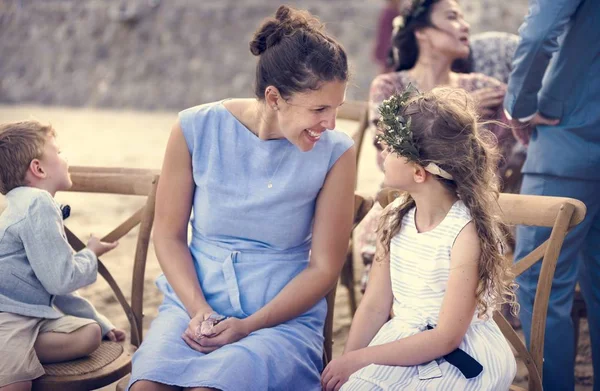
18 192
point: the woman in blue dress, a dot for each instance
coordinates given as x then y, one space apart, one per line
271 188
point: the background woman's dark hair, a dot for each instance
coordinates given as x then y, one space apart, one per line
295 54
404 42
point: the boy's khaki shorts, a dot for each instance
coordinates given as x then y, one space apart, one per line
18 361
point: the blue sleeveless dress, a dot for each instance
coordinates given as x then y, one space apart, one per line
248 241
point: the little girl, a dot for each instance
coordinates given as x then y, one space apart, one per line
439 266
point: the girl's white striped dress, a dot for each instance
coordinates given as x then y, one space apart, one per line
420 264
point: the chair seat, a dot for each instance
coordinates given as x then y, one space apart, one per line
110 362
106 353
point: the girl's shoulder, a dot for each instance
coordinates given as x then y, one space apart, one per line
460 212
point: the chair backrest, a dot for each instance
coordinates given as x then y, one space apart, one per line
122 181
356 111
362 206
559 213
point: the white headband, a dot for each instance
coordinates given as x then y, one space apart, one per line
436 170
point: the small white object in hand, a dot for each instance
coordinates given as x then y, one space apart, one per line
205 329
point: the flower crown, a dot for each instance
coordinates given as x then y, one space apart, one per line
415 10
396 131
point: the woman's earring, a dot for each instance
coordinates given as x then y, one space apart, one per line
275 108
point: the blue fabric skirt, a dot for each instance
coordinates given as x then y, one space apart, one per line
285 357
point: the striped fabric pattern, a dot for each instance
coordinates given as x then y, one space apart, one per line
420 265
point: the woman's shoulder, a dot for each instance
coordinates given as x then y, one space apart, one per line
335 137
384 86
392 80
200 123
475 81
203 110
493 42
334 143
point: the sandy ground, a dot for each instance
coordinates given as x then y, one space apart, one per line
138 139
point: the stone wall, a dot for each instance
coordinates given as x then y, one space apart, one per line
170 54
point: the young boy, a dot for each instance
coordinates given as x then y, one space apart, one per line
39 271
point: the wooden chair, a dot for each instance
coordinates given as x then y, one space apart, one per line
354 111
562 214
512 178
111 361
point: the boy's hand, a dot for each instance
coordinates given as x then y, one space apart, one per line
116 335
100 248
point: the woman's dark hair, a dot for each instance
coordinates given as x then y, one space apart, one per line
404 42
295 54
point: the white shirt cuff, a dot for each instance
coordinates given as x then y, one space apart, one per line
522 119
526 119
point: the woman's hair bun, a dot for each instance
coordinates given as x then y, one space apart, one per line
286 21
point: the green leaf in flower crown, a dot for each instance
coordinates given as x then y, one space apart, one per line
395 128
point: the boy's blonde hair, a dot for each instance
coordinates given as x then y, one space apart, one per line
20 143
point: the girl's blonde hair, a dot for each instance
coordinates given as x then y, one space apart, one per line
445 127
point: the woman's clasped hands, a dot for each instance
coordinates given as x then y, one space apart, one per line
208 331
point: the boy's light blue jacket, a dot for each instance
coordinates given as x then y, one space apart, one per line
39 271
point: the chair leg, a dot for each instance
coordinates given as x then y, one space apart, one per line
352 297
347 279
328 328
577 312
576 320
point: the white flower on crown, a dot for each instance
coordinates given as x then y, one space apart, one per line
398 22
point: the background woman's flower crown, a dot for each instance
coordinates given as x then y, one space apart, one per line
415 10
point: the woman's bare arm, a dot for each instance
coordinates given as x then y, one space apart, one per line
174 199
